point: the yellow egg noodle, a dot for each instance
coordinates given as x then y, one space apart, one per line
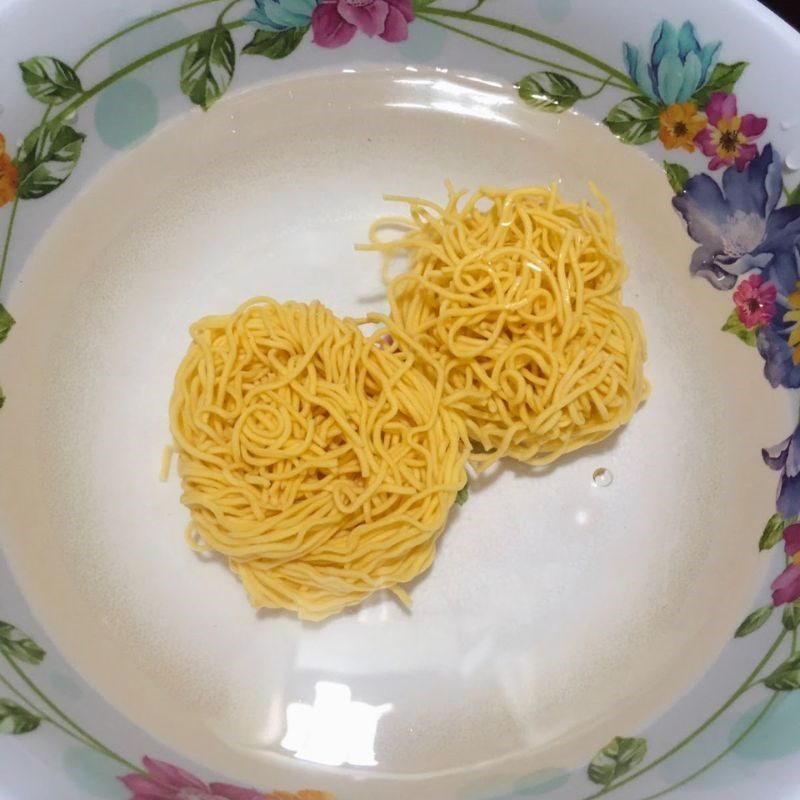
166 463
319 460
517 294
323 461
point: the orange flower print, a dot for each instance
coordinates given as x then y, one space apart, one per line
9 175
303 794
680 123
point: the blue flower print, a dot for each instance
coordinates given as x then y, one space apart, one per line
738 226
785 457
676 66
777 341
280 15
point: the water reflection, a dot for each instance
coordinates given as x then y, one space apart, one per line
335 730
454 98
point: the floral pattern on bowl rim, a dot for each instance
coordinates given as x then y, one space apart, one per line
744 220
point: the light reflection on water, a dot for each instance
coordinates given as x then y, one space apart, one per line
336 729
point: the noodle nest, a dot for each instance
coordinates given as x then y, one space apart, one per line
320 461
518 296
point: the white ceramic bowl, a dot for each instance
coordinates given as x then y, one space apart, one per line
572 639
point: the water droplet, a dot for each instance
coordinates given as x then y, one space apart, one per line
792 160
602 477
72 116
788 124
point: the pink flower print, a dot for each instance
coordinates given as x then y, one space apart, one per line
164 781
755 301
335 22
728 140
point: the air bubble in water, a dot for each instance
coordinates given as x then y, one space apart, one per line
602 477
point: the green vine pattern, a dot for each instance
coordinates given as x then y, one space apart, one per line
50 152
28 706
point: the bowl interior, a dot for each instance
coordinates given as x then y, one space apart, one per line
558 612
